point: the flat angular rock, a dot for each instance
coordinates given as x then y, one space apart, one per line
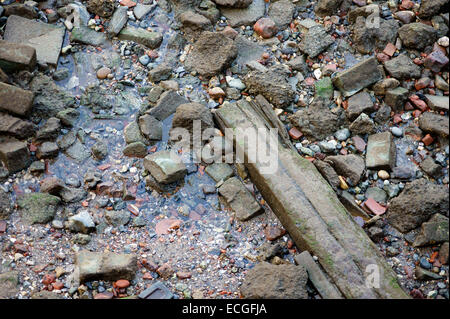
430 167
165 166
188 113
351 166
78 151
233 3
156 291
240 199
396 98
359 103
417 35
47 150
14 56
88 36
150 39
434 123
272 84
438 103
402 68
328 173
433 232
212 53
381 151
315 41
14 154
133 134
21 9
105 266
16 127
150 127
135 149
282 12
167 105
45 38
358 77
15 100
141 10
219 171
267 281
118 21
38 208
238 17
416 203
317 121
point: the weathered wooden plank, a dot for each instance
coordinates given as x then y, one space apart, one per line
311 212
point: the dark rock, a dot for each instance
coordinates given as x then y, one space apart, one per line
167 105
317 121
14 154
118 21
150 127
212 53
357 77
429 8
272 84
16 57
10 125
281 12
49 98
418 201
194 23
434 123
237 17
351 166
15 100
402 68
396 98
99 150
430 167
160 73
135 149
359 103
47 150
376 233
327 7
50 130
102 8
417 35
328 173
362 125
433 232
422 274
233 3
315 41
186 114
368 38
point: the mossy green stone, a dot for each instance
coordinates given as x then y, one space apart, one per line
38 208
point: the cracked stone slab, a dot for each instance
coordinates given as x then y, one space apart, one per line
45 38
